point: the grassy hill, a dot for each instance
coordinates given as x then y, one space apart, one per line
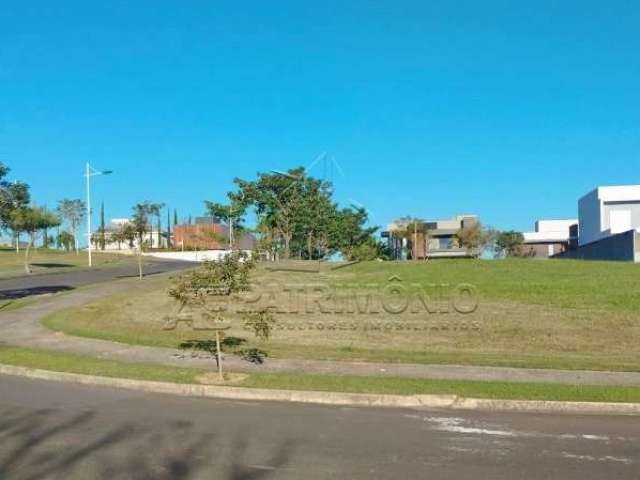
530 313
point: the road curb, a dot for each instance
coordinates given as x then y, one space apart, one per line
544 406
239 393
330 398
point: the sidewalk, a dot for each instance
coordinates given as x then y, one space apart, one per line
22 328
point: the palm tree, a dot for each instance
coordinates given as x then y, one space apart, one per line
156 209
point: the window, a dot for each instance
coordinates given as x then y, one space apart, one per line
445 243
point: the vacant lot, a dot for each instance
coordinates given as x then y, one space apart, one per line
528 313
43 261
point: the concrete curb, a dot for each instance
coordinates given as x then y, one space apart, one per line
543 406
330 398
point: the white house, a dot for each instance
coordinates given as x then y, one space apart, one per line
608 211
150 238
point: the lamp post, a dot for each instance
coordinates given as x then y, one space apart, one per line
91 172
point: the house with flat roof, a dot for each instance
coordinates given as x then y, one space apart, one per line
551 237
608 211
423 239
609 224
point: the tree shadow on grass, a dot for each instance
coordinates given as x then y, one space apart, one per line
227 345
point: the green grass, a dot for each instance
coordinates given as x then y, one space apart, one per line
469 389
562 283
10 305
577 327
49 260
62 362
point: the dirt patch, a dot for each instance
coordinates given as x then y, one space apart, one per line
211 378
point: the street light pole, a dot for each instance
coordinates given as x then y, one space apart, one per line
91 172
88 175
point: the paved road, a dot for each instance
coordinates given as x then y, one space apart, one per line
62 431
20 287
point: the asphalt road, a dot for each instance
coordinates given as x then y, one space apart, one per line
63 431
20 287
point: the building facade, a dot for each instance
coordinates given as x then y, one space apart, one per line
608 211
424 239
608 225
551 237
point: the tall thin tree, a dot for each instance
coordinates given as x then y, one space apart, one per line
102 228
168 228
73 211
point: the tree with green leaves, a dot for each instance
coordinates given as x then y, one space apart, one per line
32 221
141 221
231 213
214 282
155 209
72 211
475 239
129 234
13 196
277 200
65 241
296 215
510 244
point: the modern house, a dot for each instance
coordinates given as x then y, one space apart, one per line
609 225
551 237
423 239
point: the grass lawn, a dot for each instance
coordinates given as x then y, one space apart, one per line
60 362
530 313
43 261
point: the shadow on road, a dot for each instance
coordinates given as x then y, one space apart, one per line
17 293
51 443
52 265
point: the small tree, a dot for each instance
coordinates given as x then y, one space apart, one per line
510 244
65 240
141 218
129 234
72 211
218 280
32 221
475 239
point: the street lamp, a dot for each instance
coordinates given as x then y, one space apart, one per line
91 172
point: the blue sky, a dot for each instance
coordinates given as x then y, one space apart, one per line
511 110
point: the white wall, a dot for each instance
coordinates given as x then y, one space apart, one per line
200 256
589 213
608 210
555 225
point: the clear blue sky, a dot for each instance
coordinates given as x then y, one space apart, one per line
511 110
